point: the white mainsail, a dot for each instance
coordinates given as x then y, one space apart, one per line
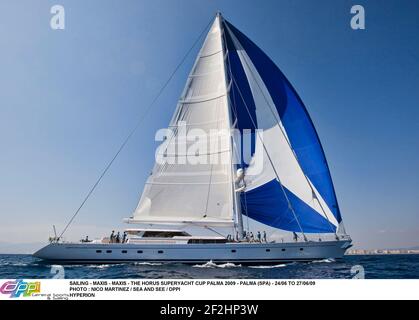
188 185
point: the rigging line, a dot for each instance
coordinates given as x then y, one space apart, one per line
209 190
206 227
139 122
245 205
212 165
238 223
187 225
215 231
289 144
270 160
233 103
240 156
238 153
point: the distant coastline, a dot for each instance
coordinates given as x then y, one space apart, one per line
381 252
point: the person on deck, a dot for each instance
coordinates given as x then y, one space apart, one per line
264 237
252 237
118 237
259 235
295 236
124 237
112 237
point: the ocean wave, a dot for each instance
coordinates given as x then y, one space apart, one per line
329 260
99 266
76 265
268 267
229 265
15 264
148 263
211 264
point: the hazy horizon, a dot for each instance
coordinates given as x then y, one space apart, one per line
70 97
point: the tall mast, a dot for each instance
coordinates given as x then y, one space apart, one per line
235 195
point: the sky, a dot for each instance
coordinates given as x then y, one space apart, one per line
68 98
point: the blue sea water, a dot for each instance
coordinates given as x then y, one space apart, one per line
374 266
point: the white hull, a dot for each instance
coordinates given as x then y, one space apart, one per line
247 253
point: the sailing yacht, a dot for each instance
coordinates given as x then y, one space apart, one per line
273 202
